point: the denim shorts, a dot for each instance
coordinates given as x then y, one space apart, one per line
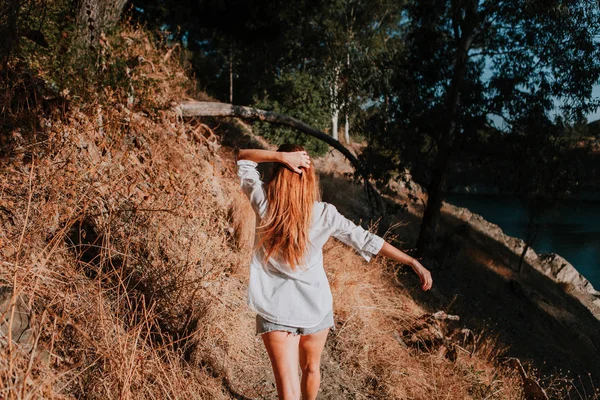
263 326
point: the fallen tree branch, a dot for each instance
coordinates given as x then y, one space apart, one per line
213 109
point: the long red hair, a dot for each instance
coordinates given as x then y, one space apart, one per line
290 197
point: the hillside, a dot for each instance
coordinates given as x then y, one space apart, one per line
548 314
124 251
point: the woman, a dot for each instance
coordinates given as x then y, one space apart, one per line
288 287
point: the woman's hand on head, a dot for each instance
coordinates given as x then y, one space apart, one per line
424 275
296 160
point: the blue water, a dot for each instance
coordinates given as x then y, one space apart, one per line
572 230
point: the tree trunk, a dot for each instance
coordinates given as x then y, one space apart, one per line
335 107
230 73
529 238
437 189
211 109
347 129
522 258
9 31
347 122
95 17
334 124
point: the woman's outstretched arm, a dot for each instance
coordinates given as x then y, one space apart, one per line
369 244
395 254
294 160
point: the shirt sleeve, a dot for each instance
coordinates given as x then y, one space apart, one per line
252 185
366 243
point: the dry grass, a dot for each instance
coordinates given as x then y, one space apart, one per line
115 231
370 305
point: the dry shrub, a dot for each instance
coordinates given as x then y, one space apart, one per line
113 226
116 239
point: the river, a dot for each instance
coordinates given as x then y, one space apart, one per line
572 230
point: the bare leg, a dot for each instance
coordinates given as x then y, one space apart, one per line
283 351
311 348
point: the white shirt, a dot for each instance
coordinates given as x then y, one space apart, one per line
300 298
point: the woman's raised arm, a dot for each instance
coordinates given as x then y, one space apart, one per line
395 254
293 160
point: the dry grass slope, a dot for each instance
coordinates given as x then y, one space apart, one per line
125 239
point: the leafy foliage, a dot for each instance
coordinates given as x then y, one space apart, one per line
300 95
338 43
469 66
521 60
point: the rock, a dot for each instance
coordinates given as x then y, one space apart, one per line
505 248
431 333
426 334
562 271
14 321
441 315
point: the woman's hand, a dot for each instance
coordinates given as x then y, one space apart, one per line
395 254
296 160
424 275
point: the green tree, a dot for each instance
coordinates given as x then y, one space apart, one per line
469 63
299 95
23 19
352 36
257 41
255 44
